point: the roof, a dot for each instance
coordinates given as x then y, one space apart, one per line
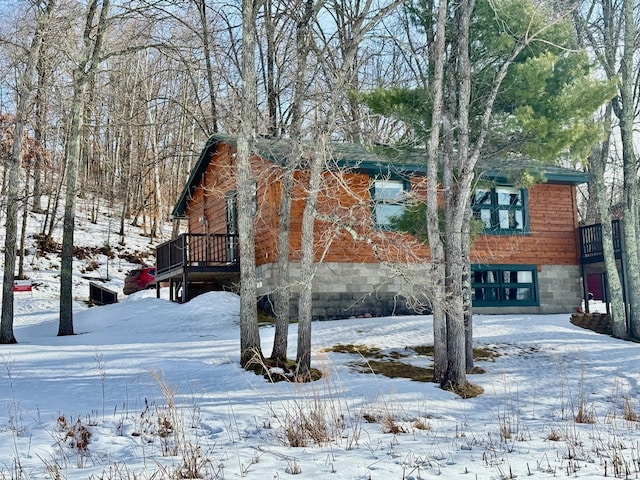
378 159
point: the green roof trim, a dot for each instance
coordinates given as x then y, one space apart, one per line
377 159
195 176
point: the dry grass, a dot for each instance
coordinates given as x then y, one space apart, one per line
388 363
314 416
389 419
279 371
628 411
479 353
420 424
554 435
468 390
75 434
395 369
362 350
585 412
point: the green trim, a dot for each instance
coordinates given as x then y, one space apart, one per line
376 160
194 178
406 187
490 287
548 174
495 209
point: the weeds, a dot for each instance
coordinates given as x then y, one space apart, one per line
102 374
554 435
194 463
585 412
75 435
628 410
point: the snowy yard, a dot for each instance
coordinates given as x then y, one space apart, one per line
151 389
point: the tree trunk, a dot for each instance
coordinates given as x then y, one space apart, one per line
269 81
11 227
458 175
630 193
307 260
204 22
23 227
455 378
466 291
283 290
40 121
436 247
66 265
597 166
93 38
249 333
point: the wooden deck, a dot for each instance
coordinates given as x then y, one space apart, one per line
196 259
591 242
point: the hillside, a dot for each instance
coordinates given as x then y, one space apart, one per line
98 253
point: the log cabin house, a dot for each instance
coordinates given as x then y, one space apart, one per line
525 260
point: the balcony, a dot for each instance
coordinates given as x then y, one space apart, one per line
197 258
591 242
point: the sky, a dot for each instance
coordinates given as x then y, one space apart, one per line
150 389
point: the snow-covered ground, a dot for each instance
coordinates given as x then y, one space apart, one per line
149 389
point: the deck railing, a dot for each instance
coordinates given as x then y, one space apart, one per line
591 241
197 250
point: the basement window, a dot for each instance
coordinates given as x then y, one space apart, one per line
504 285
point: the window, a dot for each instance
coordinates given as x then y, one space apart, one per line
501 209
388 200
504 285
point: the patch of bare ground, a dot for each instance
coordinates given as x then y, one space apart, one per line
396 369
281 371
390 363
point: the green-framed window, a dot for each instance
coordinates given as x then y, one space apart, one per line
388 198
502 210
504 285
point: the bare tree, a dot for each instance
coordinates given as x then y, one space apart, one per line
436 88
341 79
249 333
600 28
24 92
300 92
93 36
625 110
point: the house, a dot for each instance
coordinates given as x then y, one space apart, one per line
525 260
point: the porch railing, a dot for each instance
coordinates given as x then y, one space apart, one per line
197 250
591 241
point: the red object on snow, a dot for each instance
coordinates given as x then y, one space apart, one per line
22 286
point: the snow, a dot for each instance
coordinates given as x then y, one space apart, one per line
158 387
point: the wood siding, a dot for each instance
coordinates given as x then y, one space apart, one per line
552 240
344 231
